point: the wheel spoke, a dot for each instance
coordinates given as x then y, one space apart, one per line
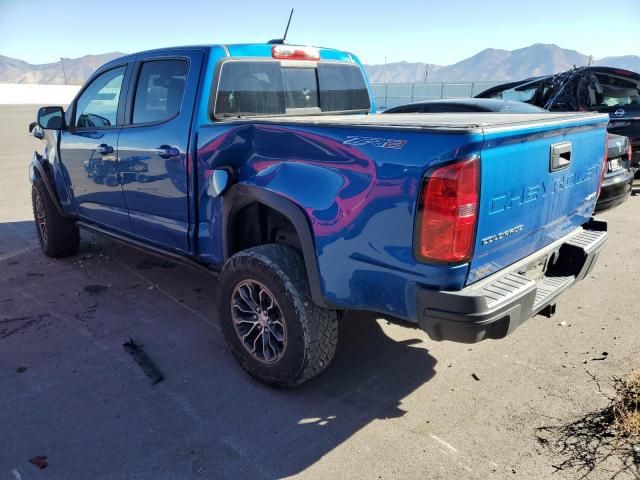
249 332
248 298
262 296
255 340
243 310
265 345
240 321
271 345
278 335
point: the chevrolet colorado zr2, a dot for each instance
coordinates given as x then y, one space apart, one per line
266 165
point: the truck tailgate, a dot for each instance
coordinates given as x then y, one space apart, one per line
538 183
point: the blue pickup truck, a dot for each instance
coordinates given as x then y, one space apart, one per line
266 165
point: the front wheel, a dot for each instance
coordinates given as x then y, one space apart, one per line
59 237
275 331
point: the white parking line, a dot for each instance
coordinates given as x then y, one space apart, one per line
15 254
444 443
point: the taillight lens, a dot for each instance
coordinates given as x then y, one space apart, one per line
604 164
291 52
448 213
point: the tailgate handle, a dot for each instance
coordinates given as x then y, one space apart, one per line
560 156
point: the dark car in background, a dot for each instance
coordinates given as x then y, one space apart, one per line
618 176
603 89
452 105
617 181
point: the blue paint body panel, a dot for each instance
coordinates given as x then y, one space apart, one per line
518 190
360 202
359 199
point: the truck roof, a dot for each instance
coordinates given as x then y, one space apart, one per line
240 50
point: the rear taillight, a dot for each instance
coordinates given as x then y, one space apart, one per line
604 164
448 213
291 52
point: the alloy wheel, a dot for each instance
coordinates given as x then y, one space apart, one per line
258 321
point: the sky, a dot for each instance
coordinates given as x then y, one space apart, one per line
438 32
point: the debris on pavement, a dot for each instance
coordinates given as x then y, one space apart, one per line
148 367
95 289
594 438
475 377
40 461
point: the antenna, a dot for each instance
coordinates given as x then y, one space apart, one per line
283 40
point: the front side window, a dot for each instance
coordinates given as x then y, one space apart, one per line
262 87
159 90
97 107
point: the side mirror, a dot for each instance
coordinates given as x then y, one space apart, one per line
51 118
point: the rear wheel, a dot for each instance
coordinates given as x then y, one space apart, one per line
275 331
59 237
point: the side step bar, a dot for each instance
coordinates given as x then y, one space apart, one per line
146 248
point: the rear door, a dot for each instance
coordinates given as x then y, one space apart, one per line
537 185
154 144
88 150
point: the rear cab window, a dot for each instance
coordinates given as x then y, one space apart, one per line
259 87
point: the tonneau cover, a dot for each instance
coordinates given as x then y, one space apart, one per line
446 121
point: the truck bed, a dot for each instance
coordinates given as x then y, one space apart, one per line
462 122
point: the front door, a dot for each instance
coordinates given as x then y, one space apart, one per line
88 151
153 147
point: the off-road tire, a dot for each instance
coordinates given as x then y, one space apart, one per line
59 237
311 331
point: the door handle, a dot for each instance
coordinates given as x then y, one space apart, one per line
104 149
166 151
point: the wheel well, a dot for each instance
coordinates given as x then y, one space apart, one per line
258 224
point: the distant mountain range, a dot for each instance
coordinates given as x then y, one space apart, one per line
497 65
488 65
77 70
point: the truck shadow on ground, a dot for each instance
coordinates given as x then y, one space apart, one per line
370 376
367 382
207 419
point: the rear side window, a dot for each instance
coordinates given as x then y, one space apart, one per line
250 88
160 90
97 107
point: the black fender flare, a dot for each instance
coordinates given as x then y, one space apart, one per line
40 170
241 195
